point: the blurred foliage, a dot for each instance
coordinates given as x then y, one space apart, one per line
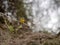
20 9
21 12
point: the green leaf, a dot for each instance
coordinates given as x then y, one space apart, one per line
11 29
19 27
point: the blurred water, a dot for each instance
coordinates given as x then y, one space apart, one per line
45 15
